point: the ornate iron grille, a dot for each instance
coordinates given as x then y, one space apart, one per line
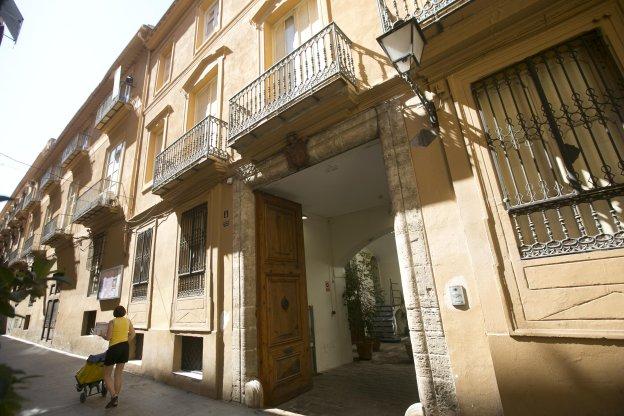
104 192
192 262
192 352
142 257
96 250
202 140
79 143
392 11
553 124
52 175
121 95
326 54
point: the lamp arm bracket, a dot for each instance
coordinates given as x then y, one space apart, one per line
427 104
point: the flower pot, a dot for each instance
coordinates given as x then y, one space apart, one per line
376 345
365 349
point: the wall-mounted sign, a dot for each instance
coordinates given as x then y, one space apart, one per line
110 283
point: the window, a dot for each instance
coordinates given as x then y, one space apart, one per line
156 140
113 171
26 322
192 261
209 21
296 27
142 257
94 262
88 322
192 353
49 321
31 301
164 68
52 289
553 127
137 353
205 103
71 201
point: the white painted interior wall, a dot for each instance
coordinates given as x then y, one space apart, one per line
329 244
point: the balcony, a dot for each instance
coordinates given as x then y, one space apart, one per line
99 202
13 220
31 200
77 146
112 104
56 231
51 177
13 257
313 85
202 145
425 11
31 246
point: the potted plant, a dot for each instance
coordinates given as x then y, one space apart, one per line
359 297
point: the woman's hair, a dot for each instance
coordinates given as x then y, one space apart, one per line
119 311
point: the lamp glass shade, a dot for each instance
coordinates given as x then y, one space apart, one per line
404 45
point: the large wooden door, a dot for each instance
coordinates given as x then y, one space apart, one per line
283 339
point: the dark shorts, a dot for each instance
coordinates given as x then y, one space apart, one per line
117 354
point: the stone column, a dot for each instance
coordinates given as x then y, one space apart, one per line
436 386
244 324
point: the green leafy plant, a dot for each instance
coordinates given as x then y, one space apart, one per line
16 284
360 294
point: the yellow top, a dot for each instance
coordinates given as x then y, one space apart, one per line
121 327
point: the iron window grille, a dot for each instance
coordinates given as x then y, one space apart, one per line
50 319
88 322
94 263
138 347
142 257
26 322
192 352
553 125
192 261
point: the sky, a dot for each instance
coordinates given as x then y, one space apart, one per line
63 51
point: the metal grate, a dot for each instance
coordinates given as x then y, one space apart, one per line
553 125
142 257
394 11
192 261
192 352
96 250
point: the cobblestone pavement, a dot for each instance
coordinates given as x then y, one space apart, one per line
386 386
53 393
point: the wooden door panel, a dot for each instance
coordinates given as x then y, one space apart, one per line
283 339
283 295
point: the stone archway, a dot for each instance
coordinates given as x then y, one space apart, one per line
433 370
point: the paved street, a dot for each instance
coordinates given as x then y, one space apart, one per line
54 392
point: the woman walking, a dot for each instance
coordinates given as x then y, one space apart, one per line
120 330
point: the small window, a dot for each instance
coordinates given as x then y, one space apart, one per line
192 353
211 20
26 322
31 301
137 353
53 289
156 140
88 322
164 68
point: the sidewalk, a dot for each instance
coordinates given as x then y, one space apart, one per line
53 393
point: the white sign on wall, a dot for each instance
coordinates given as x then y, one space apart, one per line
110 283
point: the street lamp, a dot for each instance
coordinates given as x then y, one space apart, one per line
404 45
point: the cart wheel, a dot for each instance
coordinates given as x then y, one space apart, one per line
104 391
78 387
83 397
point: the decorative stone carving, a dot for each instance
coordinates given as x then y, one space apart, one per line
296 152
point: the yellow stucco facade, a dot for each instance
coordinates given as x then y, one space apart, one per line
212 104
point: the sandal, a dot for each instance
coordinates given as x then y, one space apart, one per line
112 403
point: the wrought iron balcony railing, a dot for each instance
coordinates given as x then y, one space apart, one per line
103 194
202 141
13 219
52 175
80 143
31 199
326 54
111 104
58 226
392 11
31 245
13 256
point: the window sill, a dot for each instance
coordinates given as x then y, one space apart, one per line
147 187
190 374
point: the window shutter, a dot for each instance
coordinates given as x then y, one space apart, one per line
146 256
138 258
